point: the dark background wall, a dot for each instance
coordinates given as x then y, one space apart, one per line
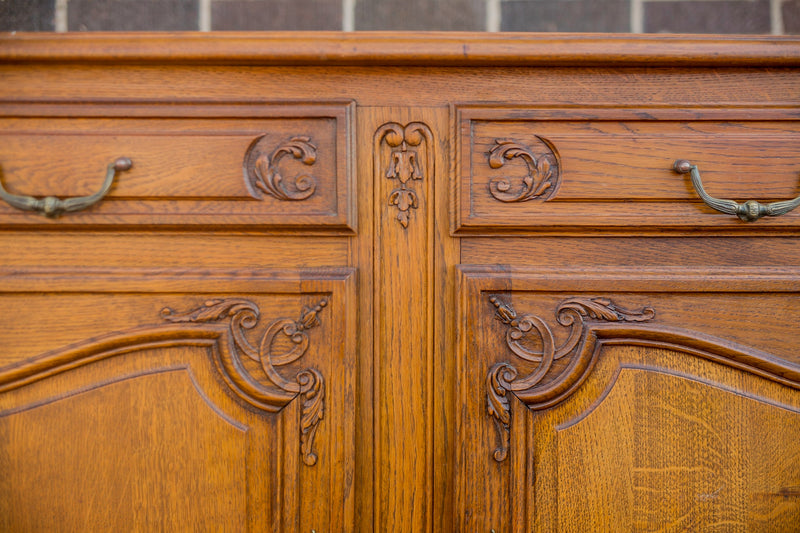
650 16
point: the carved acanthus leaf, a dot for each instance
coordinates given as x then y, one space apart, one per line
312 388
404 163
271 390
543 171
605 309
576 313
210 311
264 174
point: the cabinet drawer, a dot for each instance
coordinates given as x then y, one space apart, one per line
227 165
551 169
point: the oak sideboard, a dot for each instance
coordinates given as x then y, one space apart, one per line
399 282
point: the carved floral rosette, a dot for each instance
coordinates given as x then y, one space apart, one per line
262 171
267 389
541 389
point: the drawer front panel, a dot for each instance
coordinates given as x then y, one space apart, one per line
229 166
544 169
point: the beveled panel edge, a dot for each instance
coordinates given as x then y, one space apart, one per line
604 218
407 48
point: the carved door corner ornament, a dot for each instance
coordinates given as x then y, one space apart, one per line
543 170
252 371
411 158
262 169
579 314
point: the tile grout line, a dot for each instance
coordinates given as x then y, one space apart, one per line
348 15
493 15
776 17
637 16
60 21
204 15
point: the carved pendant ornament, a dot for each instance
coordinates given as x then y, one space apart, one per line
252 371
526 331
263 174
543 171
405 162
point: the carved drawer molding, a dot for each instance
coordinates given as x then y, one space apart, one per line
535 170
228 164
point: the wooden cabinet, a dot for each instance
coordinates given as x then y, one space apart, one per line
399 283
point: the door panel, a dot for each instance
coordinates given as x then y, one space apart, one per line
583 409
234 399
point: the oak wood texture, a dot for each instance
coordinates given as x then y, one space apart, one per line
675 405
192 164
382 48
241 441
427 354
611 168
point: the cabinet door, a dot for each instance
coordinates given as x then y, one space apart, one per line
166 400
627 400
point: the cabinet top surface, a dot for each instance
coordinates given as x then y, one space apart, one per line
386 48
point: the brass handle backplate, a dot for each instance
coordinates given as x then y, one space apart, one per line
52 207
747 211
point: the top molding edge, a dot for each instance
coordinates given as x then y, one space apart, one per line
406 49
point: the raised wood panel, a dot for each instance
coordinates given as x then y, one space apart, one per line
545 169
538 351
691 453
273 357
226 165
148 450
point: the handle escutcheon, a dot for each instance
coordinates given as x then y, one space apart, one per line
53 207
748 211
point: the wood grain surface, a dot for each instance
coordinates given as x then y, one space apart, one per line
401 340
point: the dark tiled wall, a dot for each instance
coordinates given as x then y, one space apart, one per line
566 15
132 15
257 15
740 16
420 15
27 15
674 16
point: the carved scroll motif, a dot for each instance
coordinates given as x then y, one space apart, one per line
543 171
526 331
262 169
267 388
411 159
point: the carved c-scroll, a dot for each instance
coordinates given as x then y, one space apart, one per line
579 314
267 389
262 172
405 164
543 170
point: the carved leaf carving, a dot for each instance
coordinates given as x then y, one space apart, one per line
575 313
265 174
405 163
210 311
604 309
312 388
272 388
542 176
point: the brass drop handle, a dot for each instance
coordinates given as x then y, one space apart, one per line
53 207
748 211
